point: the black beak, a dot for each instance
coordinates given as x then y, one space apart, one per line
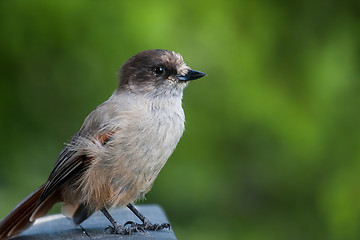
190 75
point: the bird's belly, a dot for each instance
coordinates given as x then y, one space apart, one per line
145 155
125 168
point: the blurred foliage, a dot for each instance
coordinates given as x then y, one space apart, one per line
272 146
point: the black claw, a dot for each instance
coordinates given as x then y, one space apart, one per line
164 225
109 229
129 222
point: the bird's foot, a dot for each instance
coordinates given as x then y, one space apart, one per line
118 229
146 225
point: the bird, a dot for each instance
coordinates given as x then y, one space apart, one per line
119 150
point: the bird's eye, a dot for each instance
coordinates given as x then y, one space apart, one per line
159 70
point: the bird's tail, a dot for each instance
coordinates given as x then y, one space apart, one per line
20 218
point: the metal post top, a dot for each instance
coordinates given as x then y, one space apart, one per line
59 227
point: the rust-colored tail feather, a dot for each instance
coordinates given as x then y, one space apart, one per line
19 218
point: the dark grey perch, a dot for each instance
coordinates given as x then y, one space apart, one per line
56 227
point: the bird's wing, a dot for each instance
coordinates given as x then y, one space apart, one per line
67 165
71 160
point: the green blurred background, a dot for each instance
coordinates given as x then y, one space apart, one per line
272 142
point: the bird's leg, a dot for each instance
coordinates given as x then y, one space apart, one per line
146 224
116 228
